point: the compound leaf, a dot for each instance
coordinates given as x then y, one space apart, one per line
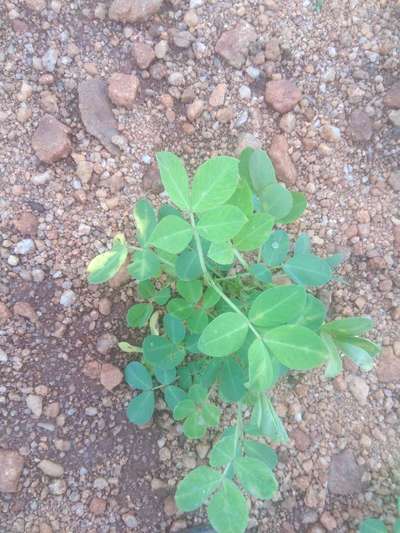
174 178
224 335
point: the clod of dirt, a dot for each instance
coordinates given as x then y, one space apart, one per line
50 140
233 45
282 95
344 474
279 153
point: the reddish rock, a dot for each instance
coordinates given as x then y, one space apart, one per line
217 97
50 140
91 369
25 310
143 54
97 506
233 45
272 50
282 95
279 154
388 368
122 89
11 464
344 474
133 10
4 313
26 223
301 440
392 98
195 109
360 126
110 376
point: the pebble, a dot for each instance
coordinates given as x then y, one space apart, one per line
217 97
122 89
110 376
194 110
279 154
233 45
57 487
106 342
143 54
330 133
68 298
245 92
35 404
282 95
344 476
24 247
49 59
130 520
50 140
51 468
133 10
41 179
360 126
359 389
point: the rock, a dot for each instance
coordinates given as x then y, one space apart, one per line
110 376
176 79
129 520
282 95
161 49
272 50
360 126
97 506
50 468
35 5
183 39
359 389
96 112
328 521
170 508
35 404
279 154
143 54
24 247
25 310
26 223
394 180
330 133
50 140
11 464
301 440
133 10
392 98
288 122
5 314
105 305
49 59
388 368
151 181
217 97
225 114
233 45
122 89
41 179
48 102
194 110
106 342
58 487
395 117
23 113
84 169
247 140
67 298
344 476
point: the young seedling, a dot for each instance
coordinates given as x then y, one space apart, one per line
229 307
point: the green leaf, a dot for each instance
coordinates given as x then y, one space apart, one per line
224 335
276 200
162 296
372 525
141 408
185 377
184 409
214 183
210 298
174 178
360 351
298 208
161 352
261 451
145 220
137 376
261 373
336 259
254 232
168 261
243 198
221 223
314 313
261 273
334 365
197 320
261 170
128 348
348 326
179 308
223 452
195 426
275 250
244 164
146 265
174 328
232 378
166 210
173 395
171 234
211 414
256 477
196 487
296 347
267 421
165 377
188 266
276 306
191 291
228 509
222 253
138 315
309 270
104 266
198 394
146 289
303 244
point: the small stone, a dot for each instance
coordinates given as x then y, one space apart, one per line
50 468
35 5
279 154
287 122
191 18
233 45
110 376
183 39
122 89
395 117
26 223
245 92
48 102
133 10
388 368
105 306
143 54
217 97
176 79
282 95
225 115
49 59
330 133
272 50
360 126
194 110
52 410
394 180
23 113
247 140
11 464
161 49
106 342
35 404
3 356
151 181
24 247
97 506
301 440
25 310
5 314
129 520
58 487
344 474
41 179
50 140
328 521
67 298
392 98
359 389
170 508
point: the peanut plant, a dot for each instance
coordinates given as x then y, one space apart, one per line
228 308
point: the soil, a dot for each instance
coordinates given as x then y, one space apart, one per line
344 57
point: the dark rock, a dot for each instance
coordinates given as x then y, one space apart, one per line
344 474
360 126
